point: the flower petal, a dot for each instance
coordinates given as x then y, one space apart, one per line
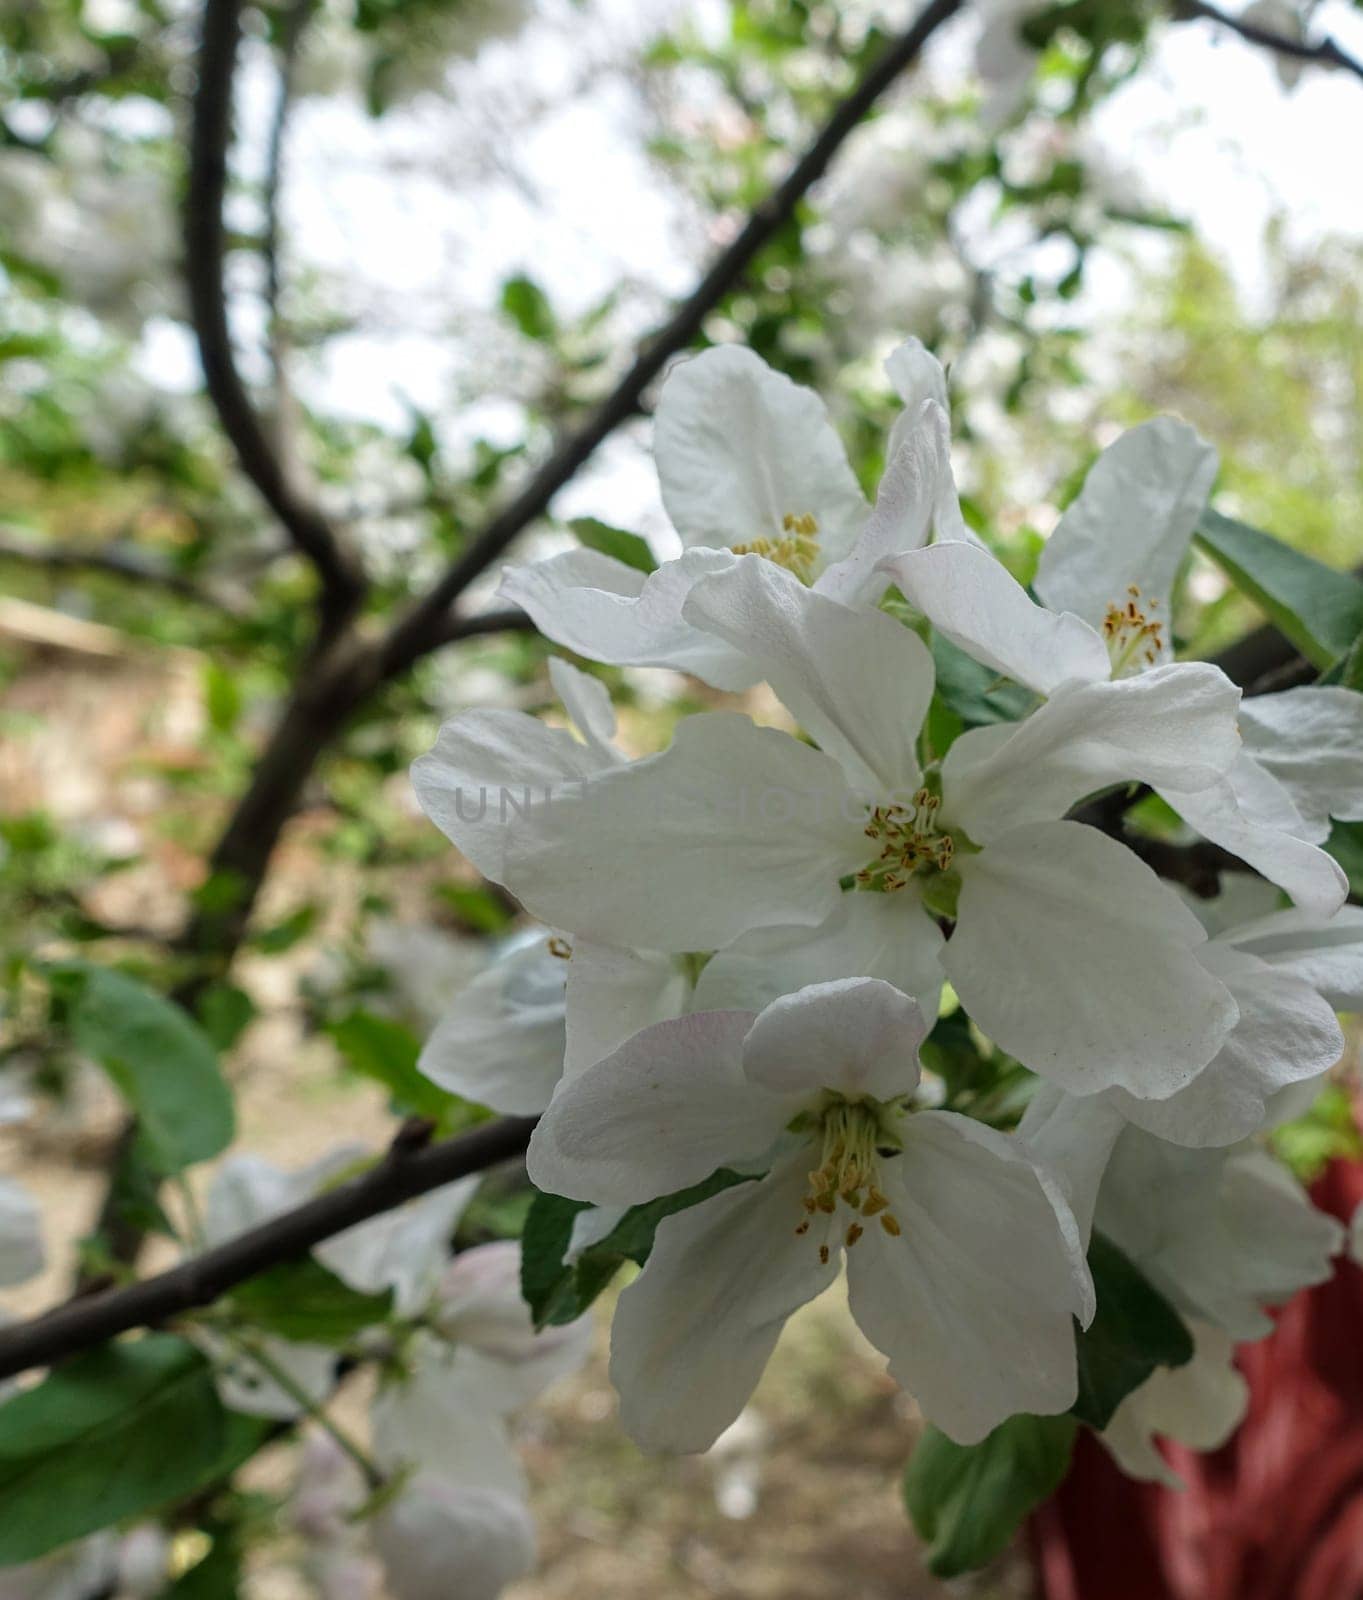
405 1250
971 598
612 993
501 1042
857 681
972 1302
740 447
434 1528
732 827
1250 814
1071 1137
859 1036
886 936
1286 1033
485 768
588 704
1175 724
693 1333
1311 740
667 1109
610 612
1075 958
1130 524
1326 952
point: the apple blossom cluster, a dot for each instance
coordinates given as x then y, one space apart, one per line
749 937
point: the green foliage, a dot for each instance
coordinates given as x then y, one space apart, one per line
112 1434
303 1301
528 307
967 1501
1320 610
559 1291
615 542
1327 1132
160 1059
386 1052
1135 1331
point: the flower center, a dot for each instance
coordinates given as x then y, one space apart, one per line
910 842
855 1135
1133 634
797 549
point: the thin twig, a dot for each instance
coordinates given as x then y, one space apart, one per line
310 530
405 1172
113 560
420 630
1323 53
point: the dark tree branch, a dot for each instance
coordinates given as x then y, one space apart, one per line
116 562
510 620
312 533
1323 53
404 1173
421 629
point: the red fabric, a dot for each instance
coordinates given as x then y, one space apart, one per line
1275 1515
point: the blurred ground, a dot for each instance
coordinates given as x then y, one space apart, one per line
800 1500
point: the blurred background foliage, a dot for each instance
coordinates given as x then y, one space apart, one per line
451 222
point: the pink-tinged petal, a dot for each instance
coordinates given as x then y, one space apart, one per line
671 1106
1075 958
973 1299
692 1335
971 598
1130 524
610 612
740 448
732 827
857 681
1175 724
859 1036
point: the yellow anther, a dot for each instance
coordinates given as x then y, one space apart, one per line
875 1201
1134 635
910 843
797 550
854 1233
560 948
890 1223
823 1255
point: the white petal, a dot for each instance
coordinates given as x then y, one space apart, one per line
886 936
916 491
971 598
612 993
1250 814
1074 957
1199 1404
1311 740
244 1385
856 1035
435 1529
588 704
405 1250
609 612
732 827
429 1419
1131 523
501 1043
1220 1233
488 767
693 1333
1326 952
973 1301
739 448
1286 1034
857 681
21 1235
1174 724
668 1108
1071 1137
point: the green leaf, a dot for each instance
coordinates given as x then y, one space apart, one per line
966 1501
1135 1331
608 541
224 1013
303 1301
976 693
476 908
528 307
111 1434
222 697
161 1060
1345 844
1318 609
557 1291
387 1052
284 935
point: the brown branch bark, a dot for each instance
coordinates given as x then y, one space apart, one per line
337 567
114 562
404 1173
420 630
1323 53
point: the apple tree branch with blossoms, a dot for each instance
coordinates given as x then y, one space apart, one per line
969 941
